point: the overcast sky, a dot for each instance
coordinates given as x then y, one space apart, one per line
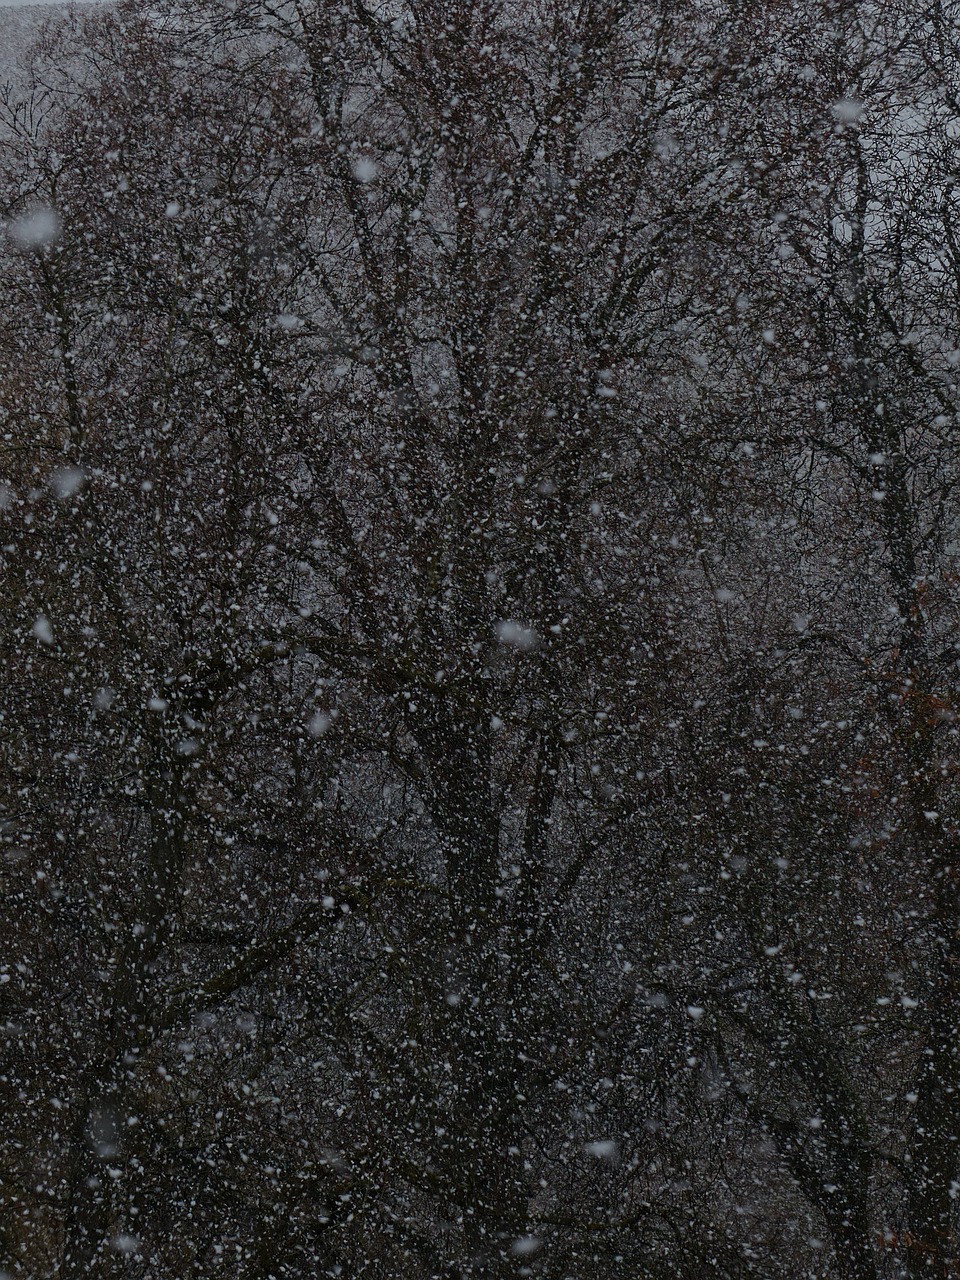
19 4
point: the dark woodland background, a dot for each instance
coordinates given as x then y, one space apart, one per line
479 637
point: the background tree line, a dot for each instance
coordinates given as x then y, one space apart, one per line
479 553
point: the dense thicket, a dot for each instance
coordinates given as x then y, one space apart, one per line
479 572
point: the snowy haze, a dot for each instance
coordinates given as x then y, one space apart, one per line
19 25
